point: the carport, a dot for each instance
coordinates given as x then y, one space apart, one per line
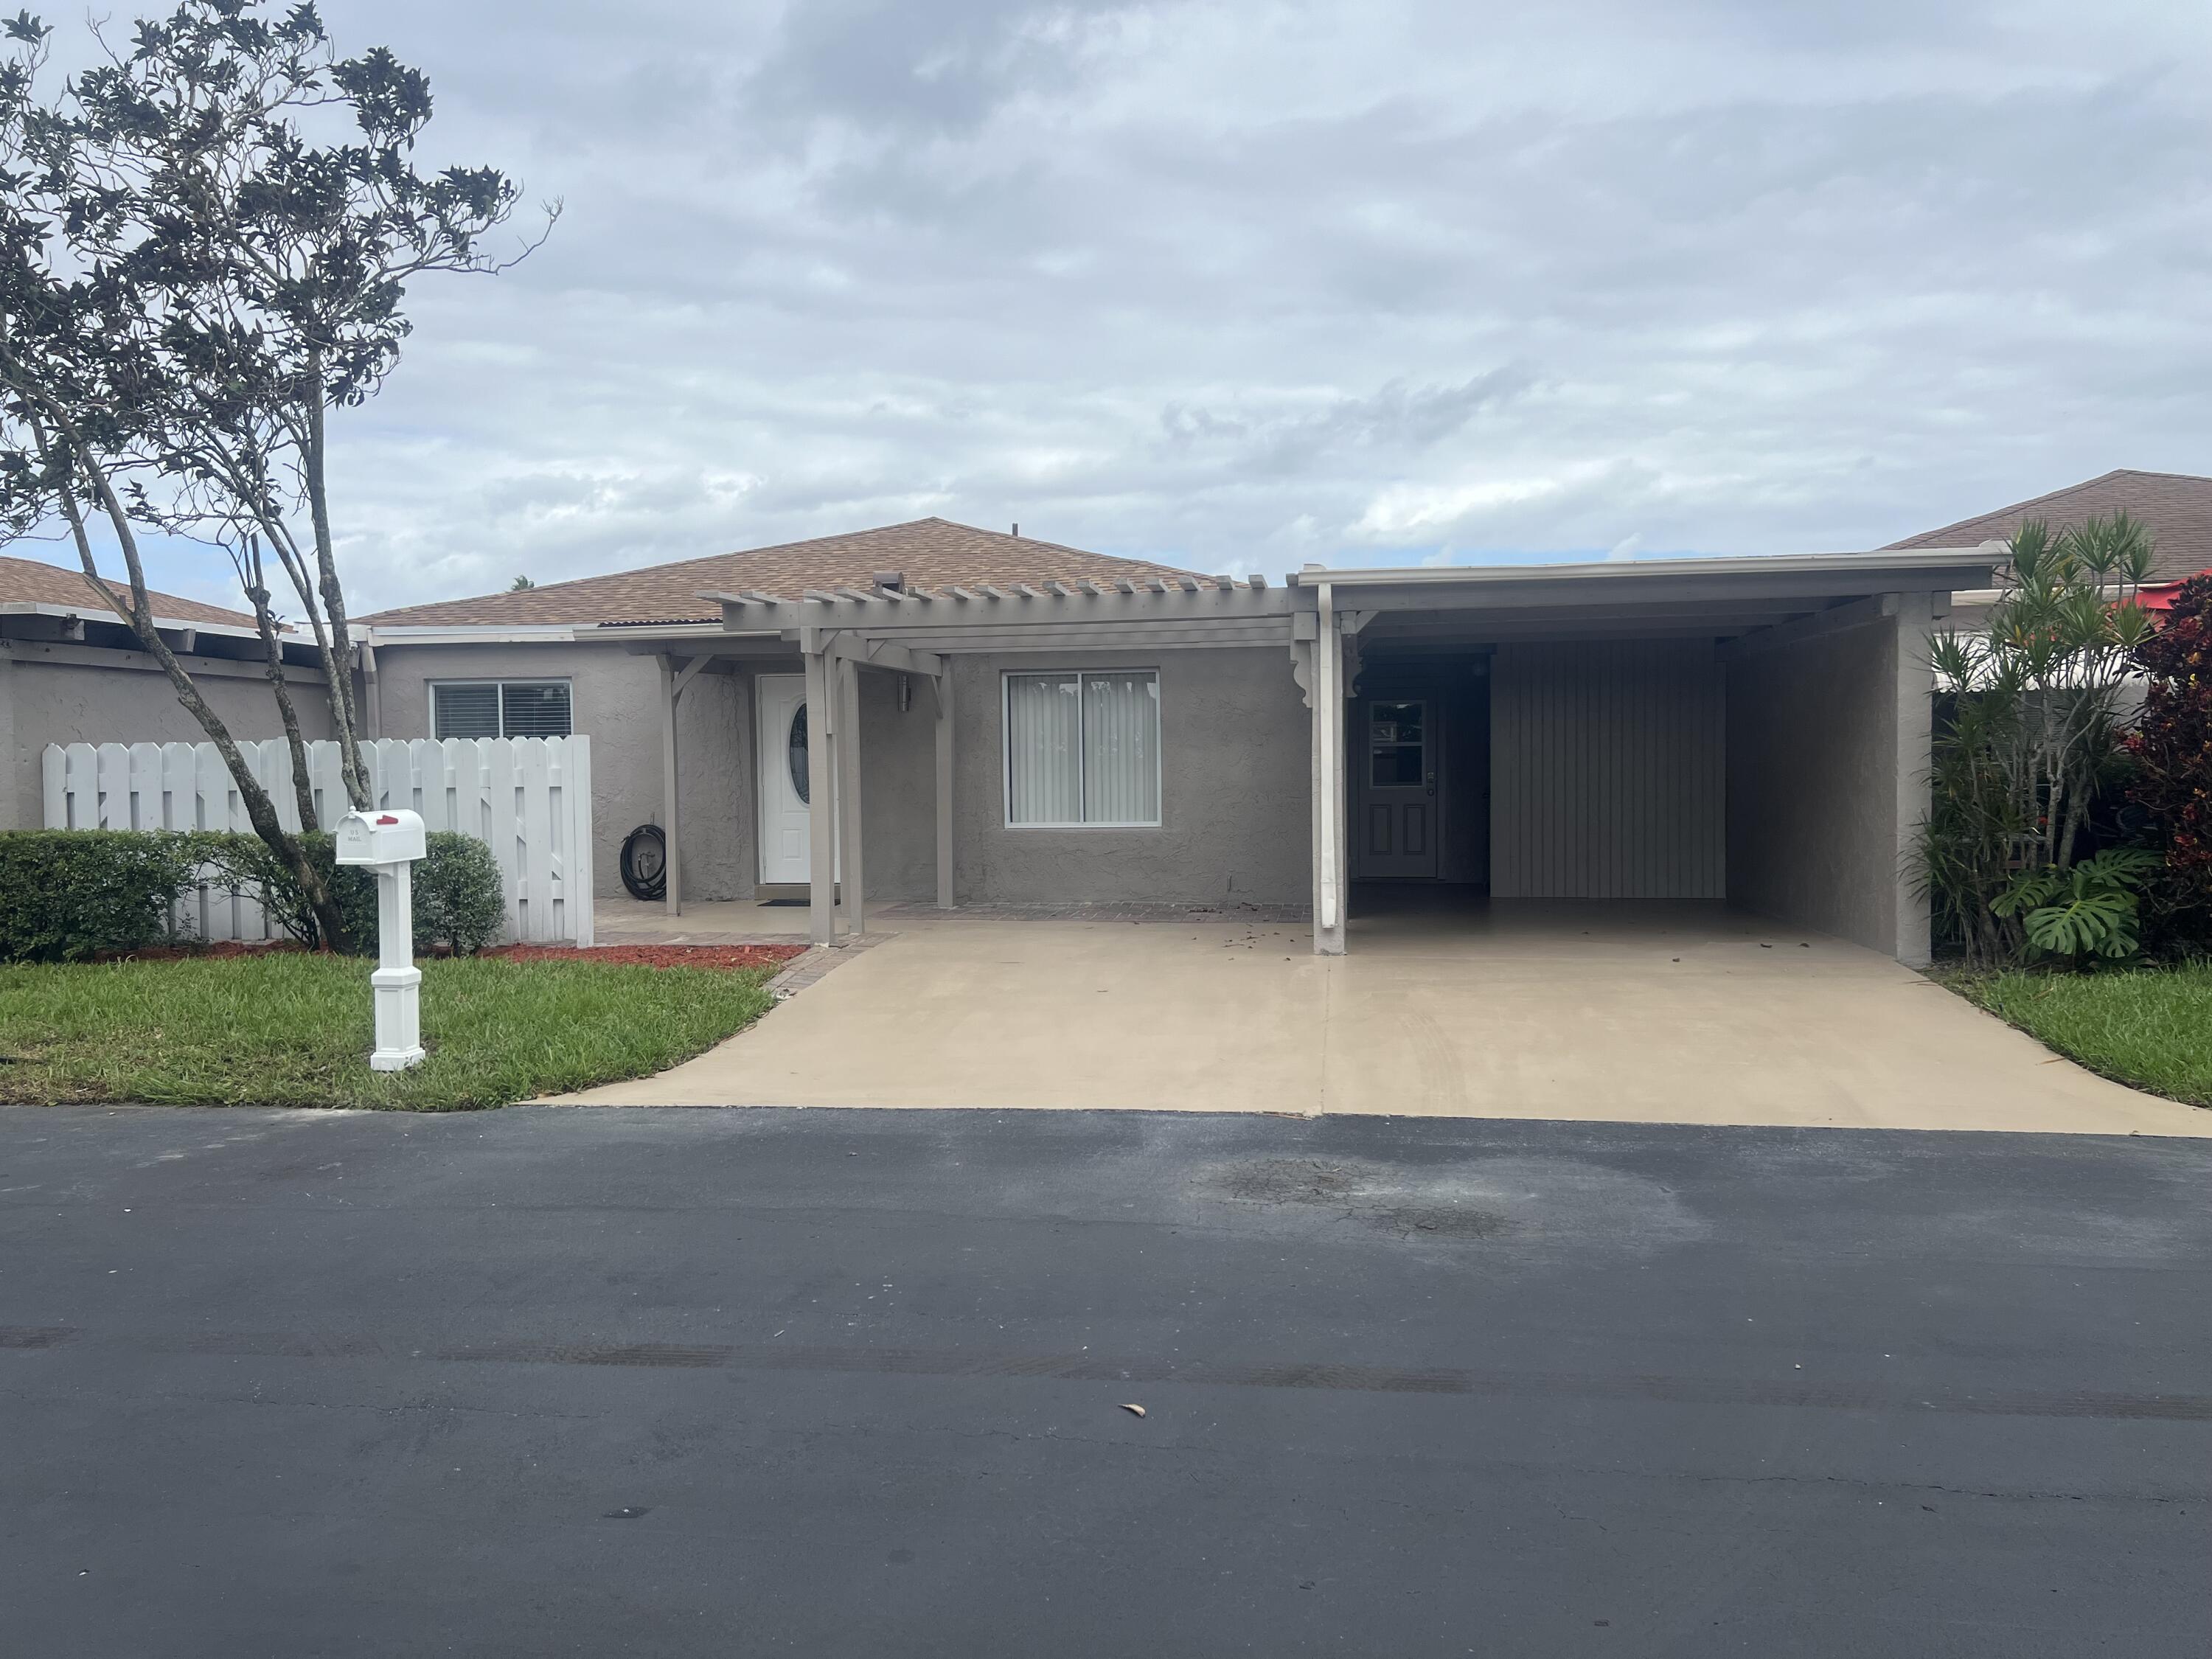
1751 732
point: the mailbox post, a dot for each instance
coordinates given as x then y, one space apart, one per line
389 844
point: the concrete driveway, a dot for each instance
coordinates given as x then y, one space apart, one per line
1652 1013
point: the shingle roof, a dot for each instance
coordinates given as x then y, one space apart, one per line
27 581
927 552
2175 506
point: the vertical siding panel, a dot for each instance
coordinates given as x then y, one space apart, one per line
1606 771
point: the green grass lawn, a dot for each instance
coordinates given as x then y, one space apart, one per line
295 1030
2150 1028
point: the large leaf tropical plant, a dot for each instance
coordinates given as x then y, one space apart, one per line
2090 910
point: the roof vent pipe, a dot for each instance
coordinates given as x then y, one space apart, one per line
1017 533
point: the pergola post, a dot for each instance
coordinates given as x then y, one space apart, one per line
822 795
1328 825
853 890
942 685
672 681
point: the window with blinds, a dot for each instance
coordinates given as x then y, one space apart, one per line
1083 749
498 708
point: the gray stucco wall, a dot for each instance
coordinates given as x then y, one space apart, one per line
1236 750
122 698
615 699
1820 779
1234 757
898 788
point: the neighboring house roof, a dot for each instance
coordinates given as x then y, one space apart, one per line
2176 507
27 581
926 552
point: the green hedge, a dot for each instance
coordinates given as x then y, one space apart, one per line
458 899
69 894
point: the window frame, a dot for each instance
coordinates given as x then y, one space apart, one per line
1006 678
565 682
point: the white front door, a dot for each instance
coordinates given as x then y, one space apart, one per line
781 745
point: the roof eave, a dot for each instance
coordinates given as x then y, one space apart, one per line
97 613
1923 563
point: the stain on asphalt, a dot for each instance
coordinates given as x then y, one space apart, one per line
1558 1200
34 1336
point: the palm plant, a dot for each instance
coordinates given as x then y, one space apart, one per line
2040 699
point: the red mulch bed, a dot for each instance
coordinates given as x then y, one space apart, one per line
658 955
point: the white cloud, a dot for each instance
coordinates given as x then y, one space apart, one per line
1247 284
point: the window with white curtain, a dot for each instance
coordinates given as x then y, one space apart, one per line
1083 749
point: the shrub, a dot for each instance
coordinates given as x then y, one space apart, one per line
2172 748
459 898
245 864
69 894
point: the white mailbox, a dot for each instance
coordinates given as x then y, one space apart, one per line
391 842
393 837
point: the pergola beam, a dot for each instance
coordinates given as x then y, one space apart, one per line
851 608
977 641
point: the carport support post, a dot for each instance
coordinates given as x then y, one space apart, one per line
852 888
942 685
1328 781
822 795
1916 762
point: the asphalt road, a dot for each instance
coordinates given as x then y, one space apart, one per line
628 1381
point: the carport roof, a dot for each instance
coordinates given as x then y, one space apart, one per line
1854 569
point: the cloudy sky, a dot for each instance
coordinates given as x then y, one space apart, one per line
1240 285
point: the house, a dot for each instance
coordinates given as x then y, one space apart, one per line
72 671
2175 507
613 655
936 713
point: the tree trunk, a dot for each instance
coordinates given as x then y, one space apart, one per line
303 788
260 811
338 654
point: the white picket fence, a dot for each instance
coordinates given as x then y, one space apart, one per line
528 799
